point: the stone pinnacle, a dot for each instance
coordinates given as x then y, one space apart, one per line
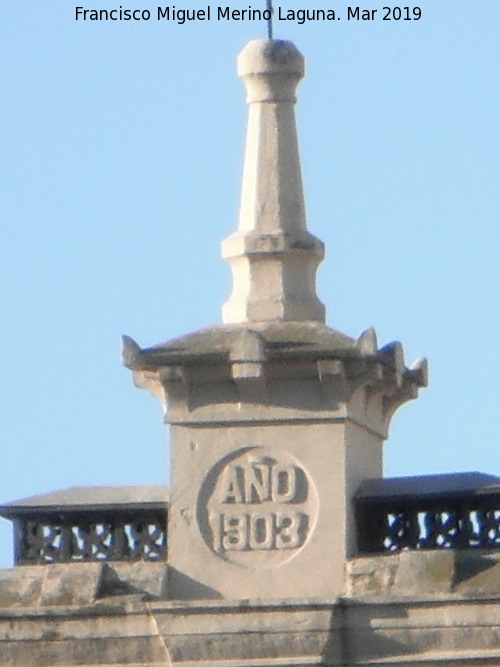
272 256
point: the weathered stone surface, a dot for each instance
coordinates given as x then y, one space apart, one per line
424 573
146 579
477 574
21 587
412 632
81 584
371 575
70 584
95 635
465 574
352 633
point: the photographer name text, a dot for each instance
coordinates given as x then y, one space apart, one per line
226 13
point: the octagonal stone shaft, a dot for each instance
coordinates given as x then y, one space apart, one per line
272 256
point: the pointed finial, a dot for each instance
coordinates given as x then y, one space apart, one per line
272 255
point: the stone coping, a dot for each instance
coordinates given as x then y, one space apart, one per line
218 343
89 499
423 487
131 605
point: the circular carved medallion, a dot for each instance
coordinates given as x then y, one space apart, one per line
257 508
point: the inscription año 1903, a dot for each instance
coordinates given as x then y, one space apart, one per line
256 506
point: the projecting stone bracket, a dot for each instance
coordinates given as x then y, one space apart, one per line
247 355
367 342
392 381
382 372
131 352
412 379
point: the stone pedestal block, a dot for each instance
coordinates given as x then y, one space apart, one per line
272 431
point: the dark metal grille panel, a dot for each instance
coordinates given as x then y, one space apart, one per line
440 525
142 536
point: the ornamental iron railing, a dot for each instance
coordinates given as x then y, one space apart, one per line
459 511
116 525
141 536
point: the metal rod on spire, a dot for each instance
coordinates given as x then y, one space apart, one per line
269 7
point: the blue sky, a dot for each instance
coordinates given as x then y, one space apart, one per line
122 153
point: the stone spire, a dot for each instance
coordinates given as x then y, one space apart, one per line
275 419
272 256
